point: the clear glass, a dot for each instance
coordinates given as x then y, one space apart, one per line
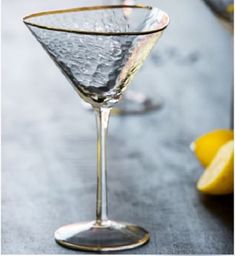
133 102
99 50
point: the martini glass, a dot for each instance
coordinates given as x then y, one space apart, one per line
99 51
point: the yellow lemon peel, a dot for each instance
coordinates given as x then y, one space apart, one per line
206 146
218 176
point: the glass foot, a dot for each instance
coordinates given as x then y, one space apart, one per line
107 236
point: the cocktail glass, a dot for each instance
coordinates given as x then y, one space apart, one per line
99 51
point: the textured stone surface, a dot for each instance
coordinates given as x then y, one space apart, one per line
48 154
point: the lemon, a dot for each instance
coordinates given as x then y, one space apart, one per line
218 176
230 8
206 146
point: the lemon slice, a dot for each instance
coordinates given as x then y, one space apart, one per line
218 177
206 146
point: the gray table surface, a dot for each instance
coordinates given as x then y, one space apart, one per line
49 143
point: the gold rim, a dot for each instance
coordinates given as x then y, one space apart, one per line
80 9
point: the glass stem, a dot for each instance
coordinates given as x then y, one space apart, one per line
102 118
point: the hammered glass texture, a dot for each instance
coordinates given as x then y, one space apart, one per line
99 67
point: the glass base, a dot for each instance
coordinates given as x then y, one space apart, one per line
107 236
